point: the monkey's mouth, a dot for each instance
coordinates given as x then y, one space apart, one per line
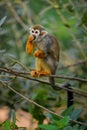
34 37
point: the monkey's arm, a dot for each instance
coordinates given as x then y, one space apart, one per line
30 46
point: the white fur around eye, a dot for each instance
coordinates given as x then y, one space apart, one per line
31 31
37 32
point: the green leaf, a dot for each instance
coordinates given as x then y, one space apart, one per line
68 128
67 25
2 20
68 111
24 128
49 115
13 116
63 122
76 127
83 128
13 126
48 127
75 114
84 19
70 8
6 125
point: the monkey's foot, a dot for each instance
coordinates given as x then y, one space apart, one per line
44 73
39 54
34 73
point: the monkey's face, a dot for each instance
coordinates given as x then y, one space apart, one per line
35 33
38 32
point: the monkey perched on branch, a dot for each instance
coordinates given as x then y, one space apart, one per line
46 54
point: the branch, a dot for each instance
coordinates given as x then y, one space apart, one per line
26 76
67 77
38 105
5 69
73 65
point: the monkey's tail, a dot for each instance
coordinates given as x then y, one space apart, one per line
70 96
52 82
58 87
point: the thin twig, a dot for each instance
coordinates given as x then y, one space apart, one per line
67 77
38 105
60 68
73 65
7 76
16 61
18 19
31 101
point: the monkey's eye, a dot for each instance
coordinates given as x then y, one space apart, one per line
32 31
37 32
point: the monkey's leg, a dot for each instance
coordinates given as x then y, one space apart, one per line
46 70
42 68
39 54
35 73
43 73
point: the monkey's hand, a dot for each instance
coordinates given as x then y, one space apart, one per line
39 54
29 46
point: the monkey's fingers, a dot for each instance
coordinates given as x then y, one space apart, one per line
30 38
39 54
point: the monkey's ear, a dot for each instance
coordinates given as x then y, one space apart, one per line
43 33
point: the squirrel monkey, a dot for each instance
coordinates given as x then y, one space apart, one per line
47 56
47 52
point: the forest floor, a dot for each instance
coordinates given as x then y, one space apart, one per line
23 119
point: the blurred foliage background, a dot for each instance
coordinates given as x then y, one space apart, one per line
67 20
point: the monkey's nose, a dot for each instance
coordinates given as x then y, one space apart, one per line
34 37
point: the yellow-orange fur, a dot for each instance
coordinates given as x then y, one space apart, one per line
39 54
46 54
29 46
47 51
42 68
